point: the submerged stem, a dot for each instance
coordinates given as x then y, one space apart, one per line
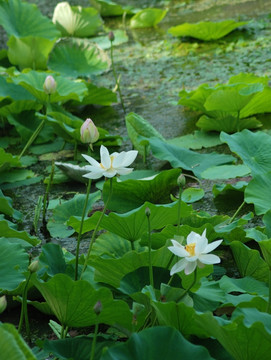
97 226
81 229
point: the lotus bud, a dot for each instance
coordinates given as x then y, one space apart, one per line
33 267
148 211
3 303
49 85
181 180
111 36
89 132
98 307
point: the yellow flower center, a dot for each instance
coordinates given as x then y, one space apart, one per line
111 158
190 248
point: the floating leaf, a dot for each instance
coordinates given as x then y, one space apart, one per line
225 172
191 195
120 37
22 19
110 8
149 344
149 17
78 58
197 140
206 30
76 21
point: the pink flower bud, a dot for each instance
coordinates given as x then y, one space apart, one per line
111 36
49 85
98 307
3 303
89 132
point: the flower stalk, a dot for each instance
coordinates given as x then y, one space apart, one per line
148 214
97 227
46 195
97 309
81 229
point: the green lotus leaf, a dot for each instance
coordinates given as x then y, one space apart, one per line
225 172
8 230
259 104
149 344
223 121
72 302
244 285
249 261
74 58
187 159
62 212
22 19
7 160
253 148
52 258
26 125
66 89
110 8
12 344
196 99
111 271
229 190
14 262
130 194
247 336
76 21
6 207
206 30
265 246
149 17
138 127
98 96
197 140
77 348
258 193
29 52
191 195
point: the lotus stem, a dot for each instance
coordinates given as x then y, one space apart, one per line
148 213
81 229
268 309
236 213
32 138
94 339
117 80
97 226
24 313
46 195
190 287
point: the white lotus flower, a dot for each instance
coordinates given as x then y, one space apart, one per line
110 165
195 253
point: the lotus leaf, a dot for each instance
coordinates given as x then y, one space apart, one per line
206 30
149 17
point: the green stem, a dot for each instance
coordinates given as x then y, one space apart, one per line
116 78
94 340
179 210
24 314
268 309
81 229
150 257
190 287
32 138
97 226
236 213
46 195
